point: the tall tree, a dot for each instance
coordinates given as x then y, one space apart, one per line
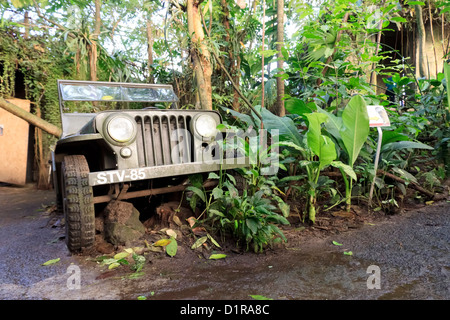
200 54
420 44
94 40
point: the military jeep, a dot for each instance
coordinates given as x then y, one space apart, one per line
126 140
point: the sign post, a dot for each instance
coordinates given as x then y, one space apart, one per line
377 118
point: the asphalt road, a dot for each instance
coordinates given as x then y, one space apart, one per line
404 257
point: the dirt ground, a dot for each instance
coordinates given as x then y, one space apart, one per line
327 260
298 234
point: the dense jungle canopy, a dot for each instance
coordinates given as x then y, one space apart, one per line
204 47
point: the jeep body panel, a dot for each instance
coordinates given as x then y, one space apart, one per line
127 140
164 143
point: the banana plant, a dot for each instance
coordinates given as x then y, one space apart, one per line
354 132
324 148
351 132
315 150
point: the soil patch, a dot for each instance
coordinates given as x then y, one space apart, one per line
177 223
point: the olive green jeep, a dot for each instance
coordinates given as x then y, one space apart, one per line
123 141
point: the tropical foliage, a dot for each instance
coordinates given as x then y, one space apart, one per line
307 69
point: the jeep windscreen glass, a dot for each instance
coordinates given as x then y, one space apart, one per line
91 97
148 94
90 93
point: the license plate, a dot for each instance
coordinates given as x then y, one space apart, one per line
125 175
115 176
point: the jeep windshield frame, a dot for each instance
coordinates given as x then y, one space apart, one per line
80 101
110 92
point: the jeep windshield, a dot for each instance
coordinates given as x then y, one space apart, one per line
90 97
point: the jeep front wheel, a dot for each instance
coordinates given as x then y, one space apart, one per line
78 206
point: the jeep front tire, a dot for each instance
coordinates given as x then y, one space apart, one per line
78 206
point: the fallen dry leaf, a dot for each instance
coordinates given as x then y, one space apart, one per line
171 233
177 221
199 231
191 221
342 214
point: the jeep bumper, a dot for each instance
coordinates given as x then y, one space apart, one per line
135 174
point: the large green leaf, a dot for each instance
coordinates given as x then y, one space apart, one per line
355 129
287 144
333 125
242 117
398 145
287 129
346 168
393 136
297 106
253 224
198 192
322 146
314 134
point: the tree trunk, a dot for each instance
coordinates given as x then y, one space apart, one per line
420 47
93 61
94 40
98 21
30 118
280 39
200 54
26 22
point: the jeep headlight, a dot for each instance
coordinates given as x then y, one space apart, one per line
121 129
205 125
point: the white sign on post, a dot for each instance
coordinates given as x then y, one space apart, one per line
378 118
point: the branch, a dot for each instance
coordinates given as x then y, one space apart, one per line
39 13
381 172
30 118
411 184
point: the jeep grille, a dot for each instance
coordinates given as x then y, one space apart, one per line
159 142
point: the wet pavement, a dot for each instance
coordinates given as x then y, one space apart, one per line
404 257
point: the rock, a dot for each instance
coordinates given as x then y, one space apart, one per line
120 234
118 211
122 223
134 223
